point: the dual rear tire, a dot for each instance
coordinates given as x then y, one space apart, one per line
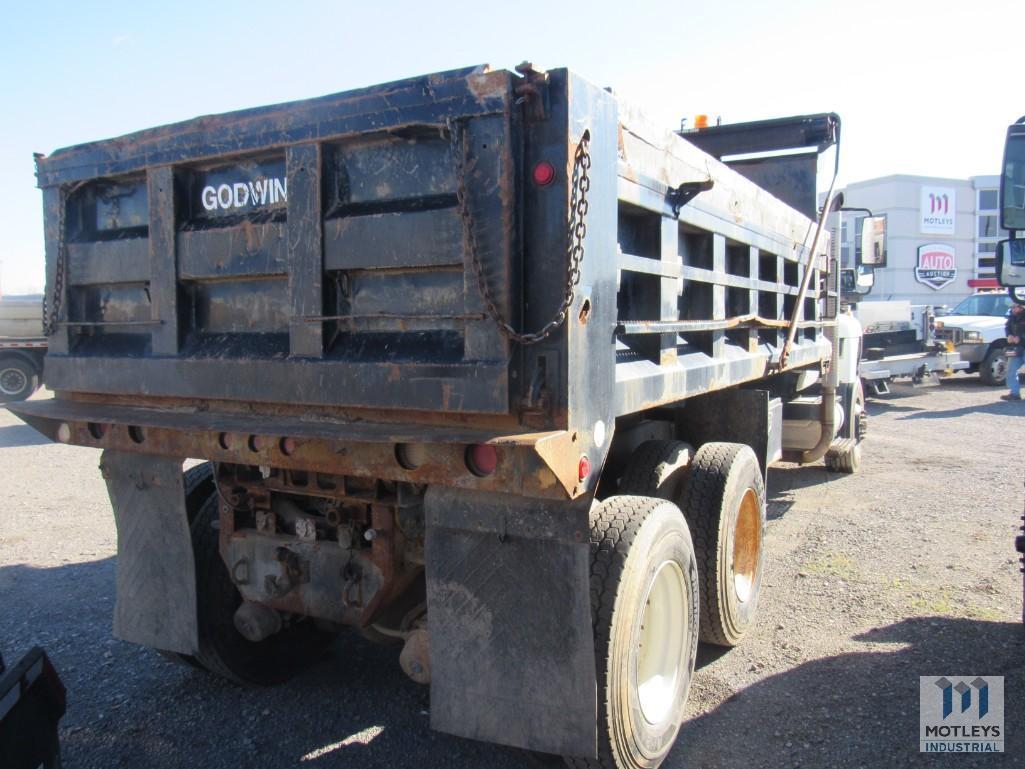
720 491
644 604
677 556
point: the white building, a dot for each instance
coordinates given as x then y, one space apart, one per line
941 235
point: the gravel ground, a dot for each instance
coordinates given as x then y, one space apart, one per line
906 569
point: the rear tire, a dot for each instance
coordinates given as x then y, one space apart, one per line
18 380
724 503
644 607
657 469
199 487
222 649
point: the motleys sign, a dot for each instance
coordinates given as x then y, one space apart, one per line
260 192
938 210
937 265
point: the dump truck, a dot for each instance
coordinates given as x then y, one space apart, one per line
22 346
479 361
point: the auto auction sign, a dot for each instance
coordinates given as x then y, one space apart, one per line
937 265
938 210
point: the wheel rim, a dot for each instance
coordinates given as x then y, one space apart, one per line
747 544
12 381
665 623
999 369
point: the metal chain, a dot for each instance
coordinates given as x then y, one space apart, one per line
51 309
575 233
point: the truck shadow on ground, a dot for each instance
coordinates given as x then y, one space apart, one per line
889 404
999 407
130 707
858 709
12 436
969 383
784 480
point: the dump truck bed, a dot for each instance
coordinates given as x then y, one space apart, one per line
353 258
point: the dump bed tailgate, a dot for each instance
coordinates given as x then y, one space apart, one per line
312 252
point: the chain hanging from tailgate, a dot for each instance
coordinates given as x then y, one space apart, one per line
576 231
52 307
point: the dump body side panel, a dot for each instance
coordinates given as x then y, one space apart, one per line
706 289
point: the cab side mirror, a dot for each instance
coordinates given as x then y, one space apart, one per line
873 242
857 281
1010 263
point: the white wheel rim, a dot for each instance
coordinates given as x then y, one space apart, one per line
12 381
664 626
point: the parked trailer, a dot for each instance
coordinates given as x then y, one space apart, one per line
480 360
22 346
900 343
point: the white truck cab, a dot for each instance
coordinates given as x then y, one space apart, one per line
976 329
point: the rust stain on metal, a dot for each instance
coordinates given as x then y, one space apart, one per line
485 85
528 460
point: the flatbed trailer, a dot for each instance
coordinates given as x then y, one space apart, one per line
22 346
919 367
480 360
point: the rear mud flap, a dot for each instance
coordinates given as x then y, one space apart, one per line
511 646
156 575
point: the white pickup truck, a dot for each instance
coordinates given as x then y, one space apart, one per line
22 346
976 329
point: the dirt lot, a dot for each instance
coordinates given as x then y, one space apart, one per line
907 569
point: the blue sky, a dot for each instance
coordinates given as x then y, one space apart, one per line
922 87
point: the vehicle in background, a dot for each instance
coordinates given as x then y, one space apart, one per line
900 343
899 339
22 346
1010 255
975 330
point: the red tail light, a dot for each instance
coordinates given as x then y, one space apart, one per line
482 459
544 174
584 468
